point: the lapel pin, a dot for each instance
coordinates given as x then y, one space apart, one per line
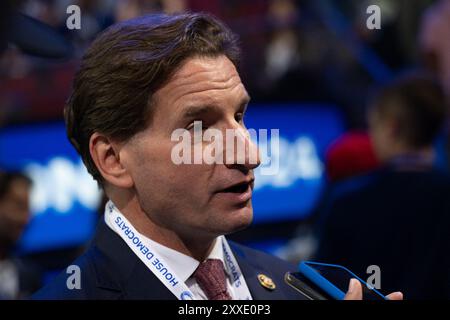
266 282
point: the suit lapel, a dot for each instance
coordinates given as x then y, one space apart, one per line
143 284
251 271
119 270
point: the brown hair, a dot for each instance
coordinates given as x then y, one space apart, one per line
126 64
418 103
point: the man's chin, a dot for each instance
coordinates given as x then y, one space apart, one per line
239 219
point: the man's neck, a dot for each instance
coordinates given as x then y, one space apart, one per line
197 248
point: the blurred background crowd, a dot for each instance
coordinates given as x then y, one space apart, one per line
363 123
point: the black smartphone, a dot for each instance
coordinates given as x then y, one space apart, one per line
321 281
305 286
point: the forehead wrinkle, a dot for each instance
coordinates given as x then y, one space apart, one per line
214 82
190 87
207 91
194 73
201 65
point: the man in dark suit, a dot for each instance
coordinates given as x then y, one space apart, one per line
144 89
397 217
110 270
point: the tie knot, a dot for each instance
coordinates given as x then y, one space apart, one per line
210 276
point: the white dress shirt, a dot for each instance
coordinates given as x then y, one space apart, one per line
184 266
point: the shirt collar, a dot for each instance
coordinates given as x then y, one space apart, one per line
183 265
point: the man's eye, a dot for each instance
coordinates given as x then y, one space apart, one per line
239 117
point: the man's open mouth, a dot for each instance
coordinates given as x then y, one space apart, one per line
240 187
237 188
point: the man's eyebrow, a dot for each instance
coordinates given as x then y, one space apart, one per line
197 111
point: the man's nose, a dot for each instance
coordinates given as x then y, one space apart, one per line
240 150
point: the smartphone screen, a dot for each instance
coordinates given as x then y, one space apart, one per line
337 276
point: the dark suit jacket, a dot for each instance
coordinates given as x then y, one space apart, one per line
397 219
110 270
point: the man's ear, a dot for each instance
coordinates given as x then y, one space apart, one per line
105 155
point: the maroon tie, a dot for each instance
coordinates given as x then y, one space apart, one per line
210 276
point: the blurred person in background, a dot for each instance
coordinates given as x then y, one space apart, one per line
434 41
350 155
397 217
18 277
434 45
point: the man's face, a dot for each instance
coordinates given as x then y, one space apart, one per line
14 211
194 200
